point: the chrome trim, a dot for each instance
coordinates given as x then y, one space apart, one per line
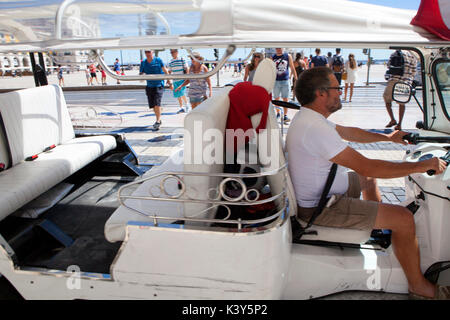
212 202
228 53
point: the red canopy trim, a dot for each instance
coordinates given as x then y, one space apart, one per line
434 16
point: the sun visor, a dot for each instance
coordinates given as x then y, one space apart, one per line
434 16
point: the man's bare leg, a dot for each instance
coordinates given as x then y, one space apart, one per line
401 113
401 222
157 113
391 115
369 188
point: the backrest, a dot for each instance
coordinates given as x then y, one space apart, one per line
265 76
211 114
35 119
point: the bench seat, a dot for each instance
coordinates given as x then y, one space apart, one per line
32 120
29 179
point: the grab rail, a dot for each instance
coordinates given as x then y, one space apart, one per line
214 202
189 50
230 50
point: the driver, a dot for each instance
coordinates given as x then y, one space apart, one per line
313 143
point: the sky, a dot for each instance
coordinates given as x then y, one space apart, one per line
133 56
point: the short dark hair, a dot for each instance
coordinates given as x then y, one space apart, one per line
309 82
338 50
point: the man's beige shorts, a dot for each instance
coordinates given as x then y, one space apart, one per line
348 210
387 95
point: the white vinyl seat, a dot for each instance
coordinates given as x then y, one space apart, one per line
33 120
115 226
211 114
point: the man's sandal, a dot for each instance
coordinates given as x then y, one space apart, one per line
391 123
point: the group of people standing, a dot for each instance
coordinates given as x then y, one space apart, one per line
91 74
343 70
199 89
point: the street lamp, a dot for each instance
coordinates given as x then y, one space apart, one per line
121 59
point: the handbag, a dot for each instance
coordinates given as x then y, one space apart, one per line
344 75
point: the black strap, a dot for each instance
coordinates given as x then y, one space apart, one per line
323 198
297 229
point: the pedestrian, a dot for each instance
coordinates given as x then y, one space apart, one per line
318 60
283 62
103 75
329 58
116 68
93 73
351 68
178 66
155 88
300 66
240 64
401 67
337 65
310 61
88 75
235 72
251 67
59 72
197 87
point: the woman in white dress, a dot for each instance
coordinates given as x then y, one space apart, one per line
351 68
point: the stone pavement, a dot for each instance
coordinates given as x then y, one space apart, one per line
126 112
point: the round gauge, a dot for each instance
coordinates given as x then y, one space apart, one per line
426 156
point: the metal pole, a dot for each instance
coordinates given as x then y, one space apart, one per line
121 61
33 68
43 77
368 68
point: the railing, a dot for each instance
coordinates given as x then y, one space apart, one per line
228 53
244 199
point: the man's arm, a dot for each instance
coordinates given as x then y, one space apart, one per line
167 72
362 136
352 159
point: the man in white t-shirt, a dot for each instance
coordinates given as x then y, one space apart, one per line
313 143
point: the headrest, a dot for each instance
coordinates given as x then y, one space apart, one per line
265 75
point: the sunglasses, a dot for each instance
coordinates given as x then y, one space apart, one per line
337 88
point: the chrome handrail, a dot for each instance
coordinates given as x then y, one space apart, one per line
189 50
213 202
229 52
239 222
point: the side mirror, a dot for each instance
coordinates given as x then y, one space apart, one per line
402 92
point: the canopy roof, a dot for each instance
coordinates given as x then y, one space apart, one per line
244 23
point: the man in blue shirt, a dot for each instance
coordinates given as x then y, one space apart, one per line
318 60
155 88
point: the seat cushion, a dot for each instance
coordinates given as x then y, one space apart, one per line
28 179
340 235
115 227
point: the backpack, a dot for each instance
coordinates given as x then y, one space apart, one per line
337 63
396 64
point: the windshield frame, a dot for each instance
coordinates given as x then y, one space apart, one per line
436 81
